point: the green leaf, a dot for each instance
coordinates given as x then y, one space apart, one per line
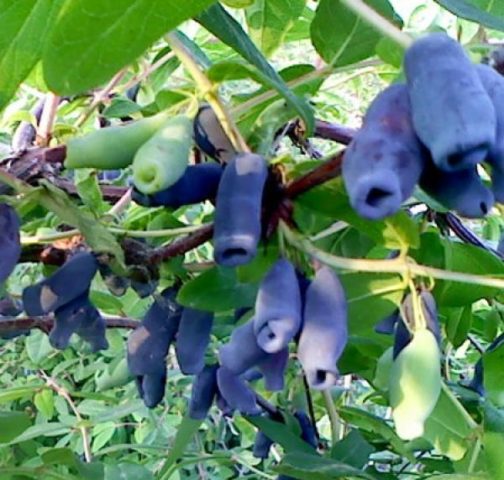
217 21
458 324
494 375
312 467
12 424
38 347
51 429
353 39
93 39
121 107
465 258
395 232
116 375
487 13
269 21
217 290
9 394
353 450
59 456
127 471
44 401
371 297
24 25
86 182
280 433
376 425
493 440
447 427
97 236
185 431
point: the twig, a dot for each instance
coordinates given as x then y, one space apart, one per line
62 392
311 410
209 94
323 173
334 131
333 416
44 130
466 235
99 97
399 265
148 71
183 245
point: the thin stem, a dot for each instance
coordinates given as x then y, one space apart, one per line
99 97
474 456
333 416
399 265
172 232
148 71
62 392
47 119
380 23
469 420
208 90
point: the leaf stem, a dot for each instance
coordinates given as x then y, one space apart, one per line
383 25
400 265
208 90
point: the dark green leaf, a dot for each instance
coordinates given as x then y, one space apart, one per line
371 423
311 467
228 30
353 450
12 424
281 434
341 37
458 324
216 290
93 39
488 13
127 471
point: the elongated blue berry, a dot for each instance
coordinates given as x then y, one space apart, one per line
383 163
273 369
237 229
199 183
236 392
324 333
308 433
210 137
461 191
204 390
193 338
242 351
148 346
67 283
278 308
494 86
10 245
452 113
262 445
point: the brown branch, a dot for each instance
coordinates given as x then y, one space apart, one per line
182 245
335 132
14 324
323 173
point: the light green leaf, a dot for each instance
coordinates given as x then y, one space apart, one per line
269 21
341 37
24 25
448 428
458 324
494 375
96 235
217 290
93 39
311 467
